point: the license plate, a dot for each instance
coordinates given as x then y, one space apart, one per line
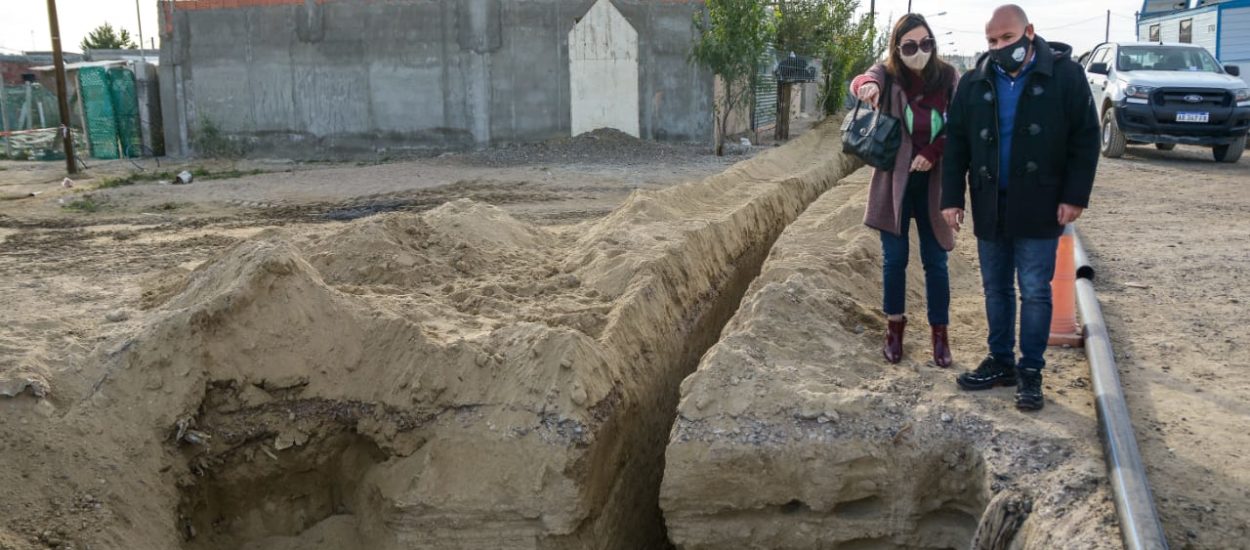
1193 117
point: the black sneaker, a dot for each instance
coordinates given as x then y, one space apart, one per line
991 372
1029 392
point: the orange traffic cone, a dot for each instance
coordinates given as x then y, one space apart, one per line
1063 327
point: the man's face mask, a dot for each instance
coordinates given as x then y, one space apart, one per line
1011 57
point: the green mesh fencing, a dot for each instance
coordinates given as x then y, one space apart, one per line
126 109
101 119
111 107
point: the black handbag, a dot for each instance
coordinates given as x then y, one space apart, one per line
872 135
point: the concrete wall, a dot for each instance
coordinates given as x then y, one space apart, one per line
308 77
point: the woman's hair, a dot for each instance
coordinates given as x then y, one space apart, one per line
937 74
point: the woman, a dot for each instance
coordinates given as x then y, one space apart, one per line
921 86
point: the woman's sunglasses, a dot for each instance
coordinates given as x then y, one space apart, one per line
909 48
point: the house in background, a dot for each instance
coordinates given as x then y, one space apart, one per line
1222 27
13 66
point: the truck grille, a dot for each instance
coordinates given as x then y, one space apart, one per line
1186 98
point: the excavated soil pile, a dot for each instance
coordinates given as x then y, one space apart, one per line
455 379
794 433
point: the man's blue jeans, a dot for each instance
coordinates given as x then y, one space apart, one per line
895 251
1032 261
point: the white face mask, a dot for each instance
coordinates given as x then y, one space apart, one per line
917 62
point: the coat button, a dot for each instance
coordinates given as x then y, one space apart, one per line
1038 89
1030 167
989 96
1035 129
986 135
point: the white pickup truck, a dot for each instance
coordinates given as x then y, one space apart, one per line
1167 94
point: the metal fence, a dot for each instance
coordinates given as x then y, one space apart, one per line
764 111
29 118
28 107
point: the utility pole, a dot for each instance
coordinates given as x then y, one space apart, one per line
58 60
139 17
908 6
1107 38
872 13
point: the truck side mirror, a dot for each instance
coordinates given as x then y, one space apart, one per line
1099 68
1233 70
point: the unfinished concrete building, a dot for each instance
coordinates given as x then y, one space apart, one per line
312 77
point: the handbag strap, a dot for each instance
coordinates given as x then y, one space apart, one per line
887 91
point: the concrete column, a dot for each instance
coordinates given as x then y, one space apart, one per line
480 35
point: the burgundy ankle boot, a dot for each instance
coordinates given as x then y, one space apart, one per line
941 347
893 349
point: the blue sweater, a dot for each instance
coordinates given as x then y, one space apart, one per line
1009 91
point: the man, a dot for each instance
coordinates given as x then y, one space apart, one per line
1023 135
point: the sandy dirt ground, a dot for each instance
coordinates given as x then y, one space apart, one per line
794 432
83 278
1166 232
72 278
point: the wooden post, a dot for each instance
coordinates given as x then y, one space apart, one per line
24 120
4 123
783 111
67 136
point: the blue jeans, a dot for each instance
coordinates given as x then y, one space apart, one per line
1032 261
894 248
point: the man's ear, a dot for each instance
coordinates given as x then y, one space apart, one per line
1028 31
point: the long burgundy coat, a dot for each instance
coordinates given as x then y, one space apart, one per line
885 193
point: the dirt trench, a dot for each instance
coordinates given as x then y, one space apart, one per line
454 379
793 433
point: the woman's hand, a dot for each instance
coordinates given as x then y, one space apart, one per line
921 164
868 93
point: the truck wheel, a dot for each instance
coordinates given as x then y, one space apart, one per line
1230 152
1113 142
1165 146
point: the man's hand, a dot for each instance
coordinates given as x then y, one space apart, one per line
1069 213
921 164
868 93
954 217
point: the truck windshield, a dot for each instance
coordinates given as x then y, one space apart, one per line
1164 58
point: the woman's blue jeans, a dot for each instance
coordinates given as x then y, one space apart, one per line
895 249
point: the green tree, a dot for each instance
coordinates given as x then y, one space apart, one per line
829 31
105 37
856 47
732 36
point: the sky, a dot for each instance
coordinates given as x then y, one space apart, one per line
1080 23
24 24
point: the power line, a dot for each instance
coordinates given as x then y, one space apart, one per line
1081 22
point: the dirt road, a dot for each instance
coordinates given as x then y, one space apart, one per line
1167 233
